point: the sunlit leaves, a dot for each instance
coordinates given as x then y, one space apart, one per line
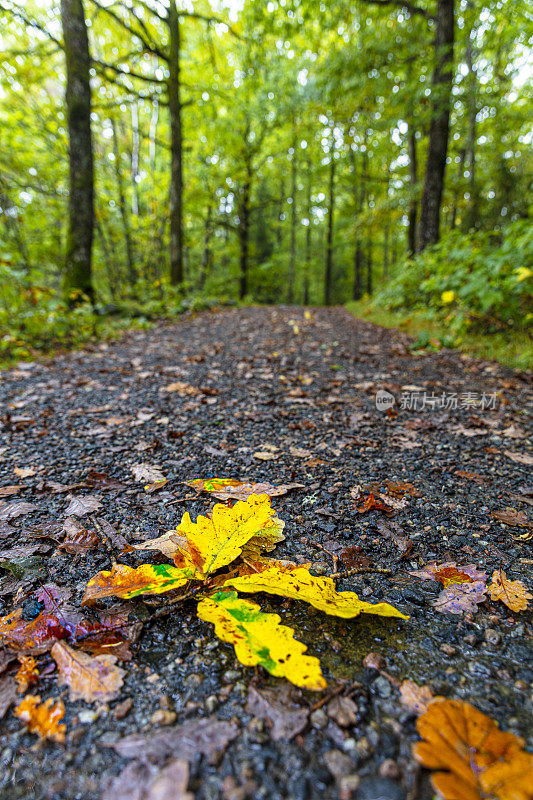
232 489
260 639
471 757
128 582
298 584
43 719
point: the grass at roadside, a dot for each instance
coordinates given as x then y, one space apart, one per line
513 349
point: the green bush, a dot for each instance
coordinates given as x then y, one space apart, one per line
479 282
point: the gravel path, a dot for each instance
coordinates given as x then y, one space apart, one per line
285 396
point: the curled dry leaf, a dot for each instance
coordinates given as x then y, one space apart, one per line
260 639
450 573
27 673
232 489
416 698
471 758
88 678
80 506
43 719
513 593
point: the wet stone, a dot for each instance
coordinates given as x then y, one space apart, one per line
380 789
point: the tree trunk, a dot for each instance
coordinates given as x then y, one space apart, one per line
134 158
206 255
244 233
176 147
281 202
413 180
439 131
132 274
78 265
292 261
308 234
331 213
472 213
369 267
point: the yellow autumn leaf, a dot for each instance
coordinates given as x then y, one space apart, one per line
259 639
215 543
298 584
265 540
513 593
128 582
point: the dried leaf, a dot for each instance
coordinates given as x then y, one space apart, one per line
416 698
285 717
520 458
43 718
143 781
8 693
24 472
372 503
129 582
27 673
298 584
215 543
461 598
14 510
474 759
80 506
449 573
510 516
78 539
206 736
88 678
513 593
9 491
391 530
231 489
183 388
259 638
148 473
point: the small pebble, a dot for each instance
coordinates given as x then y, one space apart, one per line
319 718
120 710
492 637
448 649
163 717
389 769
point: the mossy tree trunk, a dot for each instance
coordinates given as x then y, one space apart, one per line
78 264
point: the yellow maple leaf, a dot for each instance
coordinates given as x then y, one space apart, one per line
298 584
513 593
215 543
472 757
259 639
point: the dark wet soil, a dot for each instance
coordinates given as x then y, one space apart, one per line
301 393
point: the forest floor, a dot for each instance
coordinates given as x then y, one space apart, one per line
284 396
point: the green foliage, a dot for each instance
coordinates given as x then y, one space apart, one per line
480 282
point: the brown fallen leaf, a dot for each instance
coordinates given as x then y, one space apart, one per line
14 510
208 736
473 758
147 472
513 593
233 489
182 388
78 539
143 781
24 472
520 458
8 693
391 530
9 491
510 516
416 698
285 717
80 506
43 719
88 678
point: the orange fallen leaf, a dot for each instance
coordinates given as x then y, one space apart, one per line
416 698
43 718
88 678
27 673
510 516
472 757
513 593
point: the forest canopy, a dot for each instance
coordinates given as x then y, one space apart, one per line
163 154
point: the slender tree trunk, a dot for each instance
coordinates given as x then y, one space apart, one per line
244 233
78 272
331 213
279 229
413 180
206 255
308 235
439 130
292 261
386 236
153 134
459 188
134 158
369 266
176 147
357 290
132 274
472 214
